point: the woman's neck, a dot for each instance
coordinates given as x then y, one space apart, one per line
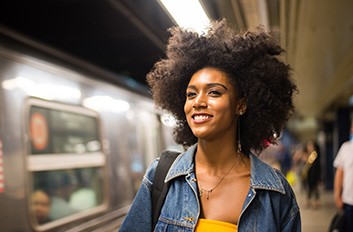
215 155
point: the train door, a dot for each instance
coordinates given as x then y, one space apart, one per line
66 165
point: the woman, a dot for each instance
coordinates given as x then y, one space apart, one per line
313 174
230 96
41 206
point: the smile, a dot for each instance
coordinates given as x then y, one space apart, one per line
201 117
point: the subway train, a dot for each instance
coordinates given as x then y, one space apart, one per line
74 144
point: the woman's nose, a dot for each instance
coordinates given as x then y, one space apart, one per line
200 102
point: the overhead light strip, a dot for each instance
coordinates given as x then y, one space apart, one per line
188 14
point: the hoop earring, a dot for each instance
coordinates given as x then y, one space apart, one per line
238 135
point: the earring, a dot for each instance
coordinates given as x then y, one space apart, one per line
238 137
275 135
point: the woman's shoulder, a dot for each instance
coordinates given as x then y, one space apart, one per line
347 146
269 177
150 172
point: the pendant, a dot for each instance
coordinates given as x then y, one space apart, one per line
207 193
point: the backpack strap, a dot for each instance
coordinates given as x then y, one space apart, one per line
159 188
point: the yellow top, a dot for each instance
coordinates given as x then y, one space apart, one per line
206 225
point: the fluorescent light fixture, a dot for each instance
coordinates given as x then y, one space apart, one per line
105 103
44 91
188 14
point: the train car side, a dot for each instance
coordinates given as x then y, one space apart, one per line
73 148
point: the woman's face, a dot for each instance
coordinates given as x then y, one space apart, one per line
211 105
41 206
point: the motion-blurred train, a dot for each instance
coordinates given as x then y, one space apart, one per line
73 145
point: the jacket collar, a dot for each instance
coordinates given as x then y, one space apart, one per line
262 175
183 164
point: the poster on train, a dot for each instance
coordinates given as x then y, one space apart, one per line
39 131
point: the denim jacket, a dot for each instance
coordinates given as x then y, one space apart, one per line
269 206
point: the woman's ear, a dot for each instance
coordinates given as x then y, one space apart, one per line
241 107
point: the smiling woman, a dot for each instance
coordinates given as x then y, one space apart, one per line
230 95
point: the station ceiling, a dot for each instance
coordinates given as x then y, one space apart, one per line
128 36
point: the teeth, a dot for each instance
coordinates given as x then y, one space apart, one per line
201 117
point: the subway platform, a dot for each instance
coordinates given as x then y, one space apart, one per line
316 220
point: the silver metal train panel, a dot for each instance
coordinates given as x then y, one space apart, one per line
74 145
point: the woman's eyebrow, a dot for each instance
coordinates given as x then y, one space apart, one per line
191 87
217 84
209 85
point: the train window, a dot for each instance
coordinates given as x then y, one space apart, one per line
61 193
65 162
56 131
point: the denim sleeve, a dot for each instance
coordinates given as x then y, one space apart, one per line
294 224
139 217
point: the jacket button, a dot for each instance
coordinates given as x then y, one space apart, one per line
190 219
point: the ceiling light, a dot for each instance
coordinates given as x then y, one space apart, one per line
188 14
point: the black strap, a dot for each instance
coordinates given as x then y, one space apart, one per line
159 188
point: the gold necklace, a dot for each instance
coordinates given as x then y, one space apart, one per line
202 190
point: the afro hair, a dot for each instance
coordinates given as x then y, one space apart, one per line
250 60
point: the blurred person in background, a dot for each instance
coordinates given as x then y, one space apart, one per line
62 186
299 161
343 182
41 206
312 174
83 197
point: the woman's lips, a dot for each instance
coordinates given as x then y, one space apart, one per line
200 118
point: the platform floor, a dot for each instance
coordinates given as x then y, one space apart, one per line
316 220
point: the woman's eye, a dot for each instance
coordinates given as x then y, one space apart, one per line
190 94
215 93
